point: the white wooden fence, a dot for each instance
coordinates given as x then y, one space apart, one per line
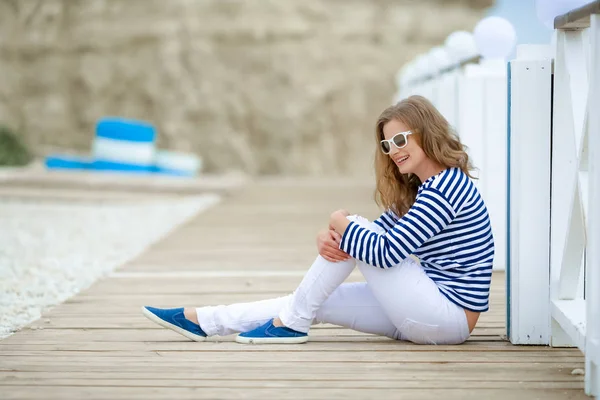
554 184
534 133
472 96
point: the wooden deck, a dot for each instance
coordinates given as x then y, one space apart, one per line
256 245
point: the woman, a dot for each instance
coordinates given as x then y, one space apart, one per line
427 260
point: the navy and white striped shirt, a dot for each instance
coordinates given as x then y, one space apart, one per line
447 228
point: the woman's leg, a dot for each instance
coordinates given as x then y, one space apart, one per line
296 311
351 305
414 304
320 298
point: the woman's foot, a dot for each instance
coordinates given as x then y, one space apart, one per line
190 314
176 320
269 333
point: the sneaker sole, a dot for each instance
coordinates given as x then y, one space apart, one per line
168 325
273 340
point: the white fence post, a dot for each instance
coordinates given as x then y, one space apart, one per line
482 120
495 152
529 196
592 346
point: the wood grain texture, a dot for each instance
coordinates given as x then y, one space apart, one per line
254 246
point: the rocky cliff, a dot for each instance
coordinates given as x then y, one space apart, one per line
263 86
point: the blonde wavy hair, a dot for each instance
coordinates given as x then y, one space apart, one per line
433 133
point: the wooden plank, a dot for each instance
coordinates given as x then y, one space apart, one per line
153 379
272 389
137 323
168 340
517 372
146 350
578 18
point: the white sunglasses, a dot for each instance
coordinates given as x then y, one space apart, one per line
399 140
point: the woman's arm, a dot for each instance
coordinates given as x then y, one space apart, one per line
387 220
430 213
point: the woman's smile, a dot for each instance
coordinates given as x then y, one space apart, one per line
401 160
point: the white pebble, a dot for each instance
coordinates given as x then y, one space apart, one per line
51 250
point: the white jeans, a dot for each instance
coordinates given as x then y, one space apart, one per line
401 303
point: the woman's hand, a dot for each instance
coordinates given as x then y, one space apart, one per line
328 242
338 221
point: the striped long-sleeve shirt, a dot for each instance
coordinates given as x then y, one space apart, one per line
447 228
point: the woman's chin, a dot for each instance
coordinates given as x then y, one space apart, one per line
403 169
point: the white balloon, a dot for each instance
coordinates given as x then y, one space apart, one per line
439 58
495 37
408 74
460 46
423 66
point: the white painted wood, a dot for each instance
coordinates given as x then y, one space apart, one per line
592 356
559 337
575 217
495 157
570 315
529 202
571 263
470 99
564 168
576 66
448 97
473 100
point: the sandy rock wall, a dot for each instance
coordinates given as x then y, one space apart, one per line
263 86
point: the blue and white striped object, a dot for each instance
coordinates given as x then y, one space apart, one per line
177 163
124 144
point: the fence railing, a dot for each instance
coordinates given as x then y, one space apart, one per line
554 191
471 93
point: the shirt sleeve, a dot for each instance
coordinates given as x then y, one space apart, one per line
387 220
427 217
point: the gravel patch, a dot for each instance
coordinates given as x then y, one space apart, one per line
51 250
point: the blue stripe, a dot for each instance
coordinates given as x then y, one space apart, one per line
420 219
441 206
381 257
387 253
125 129
367 247
397 234
465 281
456 181
508 247
378 222
116 166
349 238
67 162
466 196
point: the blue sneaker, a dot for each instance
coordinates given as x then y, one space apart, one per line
268 333
174 319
